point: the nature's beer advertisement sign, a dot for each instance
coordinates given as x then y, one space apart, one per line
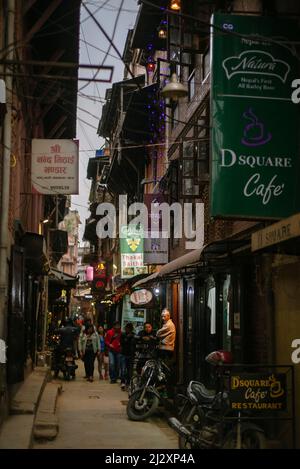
255 137
262 392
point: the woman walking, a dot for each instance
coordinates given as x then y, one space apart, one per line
102 359
89 347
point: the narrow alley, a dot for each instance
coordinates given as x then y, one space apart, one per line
93 416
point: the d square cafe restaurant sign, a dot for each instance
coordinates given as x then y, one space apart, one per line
258 391
255 125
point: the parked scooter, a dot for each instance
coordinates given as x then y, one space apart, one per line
207 421
65 362
151 390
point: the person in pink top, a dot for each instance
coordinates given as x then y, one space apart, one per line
113 345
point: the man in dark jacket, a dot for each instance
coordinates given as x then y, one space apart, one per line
68 340
68 336
127 350
145 343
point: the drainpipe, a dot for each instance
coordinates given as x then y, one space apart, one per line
4 209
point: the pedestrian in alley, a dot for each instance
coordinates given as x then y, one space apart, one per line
145 343
102 358
127 351
89 347
166 335
113 345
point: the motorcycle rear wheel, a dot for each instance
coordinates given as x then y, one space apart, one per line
67 375
141 410
250 439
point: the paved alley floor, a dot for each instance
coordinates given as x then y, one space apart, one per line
93 416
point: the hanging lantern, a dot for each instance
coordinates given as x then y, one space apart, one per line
175 5
150 66
89 273
162 30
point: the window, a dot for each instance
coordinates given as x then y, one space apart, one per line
189 188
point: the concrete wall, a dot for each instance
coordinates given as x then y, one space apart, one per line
286 287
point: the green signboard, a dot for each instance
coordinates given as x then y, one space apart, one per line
137 317
255 125
132 251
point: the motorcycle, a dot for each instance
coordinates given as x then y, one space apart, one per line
207 421
65 362
143 353
150 390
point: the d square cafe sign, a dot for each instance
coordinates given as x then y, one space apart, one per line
255 125
258 391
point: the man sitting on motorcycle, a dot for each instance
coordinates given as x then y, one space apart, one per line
68 340
145 343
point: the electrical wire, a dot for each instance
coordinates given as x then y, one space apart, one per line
88 54
256 37
110 7
96 11
110 40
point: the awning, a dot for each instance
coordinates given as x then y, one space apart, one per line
208 251
111 108
95 166
283 233
136 127
146 279
64 279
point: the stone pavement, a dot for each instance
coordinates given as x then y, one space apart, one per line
16 431
46 423
93 415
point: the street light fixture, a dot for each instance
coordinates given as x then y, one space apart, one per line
174 89
175 5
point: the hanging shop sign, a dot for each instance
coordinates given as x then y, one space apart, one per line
258 391
136 316
89 273
276 233
132 251
141 297
54 166
255 138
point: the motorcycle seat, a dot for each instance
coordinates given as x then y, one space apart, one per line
201 392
